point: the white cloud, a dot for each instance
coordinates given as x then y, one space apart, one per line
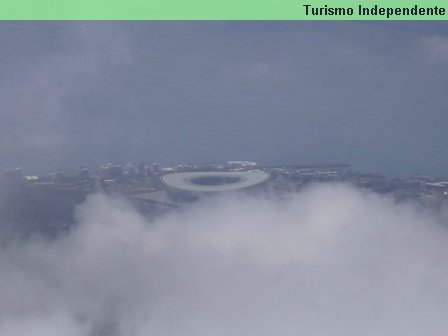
330 260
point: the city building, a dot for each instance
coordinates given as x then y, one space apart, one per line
241 165
111 172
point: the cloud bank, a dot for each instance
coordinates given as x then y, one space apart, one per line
331 260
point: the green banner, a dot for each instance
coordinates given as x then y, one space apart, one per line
223 10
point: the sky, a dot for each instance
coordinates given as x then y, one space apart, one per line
371 94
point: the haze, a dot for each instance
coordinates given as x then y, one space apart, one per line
291 259
83 93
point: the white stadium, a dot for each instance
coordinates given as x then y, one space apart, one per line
191 185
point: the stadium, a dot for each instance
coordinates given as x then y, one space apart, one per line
192 185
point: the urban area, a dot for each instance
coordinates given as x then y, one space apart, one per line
46 202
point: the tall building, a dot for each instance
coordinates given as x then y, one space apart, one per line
111 172
84 173
141 169
130 170
13 177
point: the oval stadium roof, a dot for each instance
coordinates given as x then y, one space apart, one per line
214 181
